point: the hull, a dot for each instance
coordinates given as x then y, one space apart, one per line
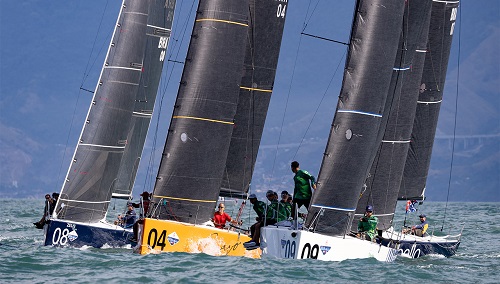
415 247
282 242
172 236
63 233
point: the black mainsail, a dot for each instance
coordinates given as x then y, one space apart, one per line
267 20
87 189
194 157
160 17
354 133
441 29
382 184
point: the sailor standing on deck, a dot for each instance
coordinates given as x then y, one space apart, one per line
302 192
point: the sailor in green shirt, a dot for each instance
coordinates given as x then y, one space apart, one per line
260 208
302 192
284 202
367 226
276 212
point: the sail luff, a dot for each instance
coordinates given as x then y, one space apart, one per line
160 18
418 160
87 189
384 178
267 20
194 156
354 133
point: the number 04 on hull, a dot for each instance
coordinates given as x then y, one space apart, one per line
173 236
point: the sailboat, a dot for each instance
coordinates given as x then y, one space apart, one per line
216 126
349 152
417 160
114 130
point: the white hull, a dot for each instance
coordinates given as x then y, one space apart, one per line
283 242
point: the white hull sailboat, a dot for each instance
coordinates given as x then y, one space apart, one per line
301 244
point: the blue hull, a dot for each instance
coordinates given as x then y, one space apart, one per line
63 233
417 249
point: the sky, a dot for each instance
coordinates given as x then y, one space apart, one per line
49 49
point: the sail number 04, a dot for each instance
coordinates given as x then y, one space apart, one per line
281 11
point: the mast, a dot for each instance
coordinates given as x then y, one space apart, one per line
194 157
384 178
354 133
441 29
160 17
267 20
86 191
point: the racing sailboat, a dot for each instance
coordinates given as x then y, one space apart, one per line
349 152
216 125
384 180
417 163
114 131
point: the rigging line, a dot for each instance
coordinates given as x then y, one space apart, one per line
286 105
87 68
456 116
149 173
306 21
319 105
78 96
250 126
324 38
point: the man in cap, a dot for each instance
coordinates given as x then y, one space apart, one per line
420 229
367 225
129 219
286 205
273 215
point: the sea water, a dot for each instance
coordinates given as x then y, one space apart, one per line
24 258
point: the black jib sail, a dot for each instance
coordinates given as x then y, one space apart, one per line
194 157
382 184
354 133
429 101
160 17
87 189
264 40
